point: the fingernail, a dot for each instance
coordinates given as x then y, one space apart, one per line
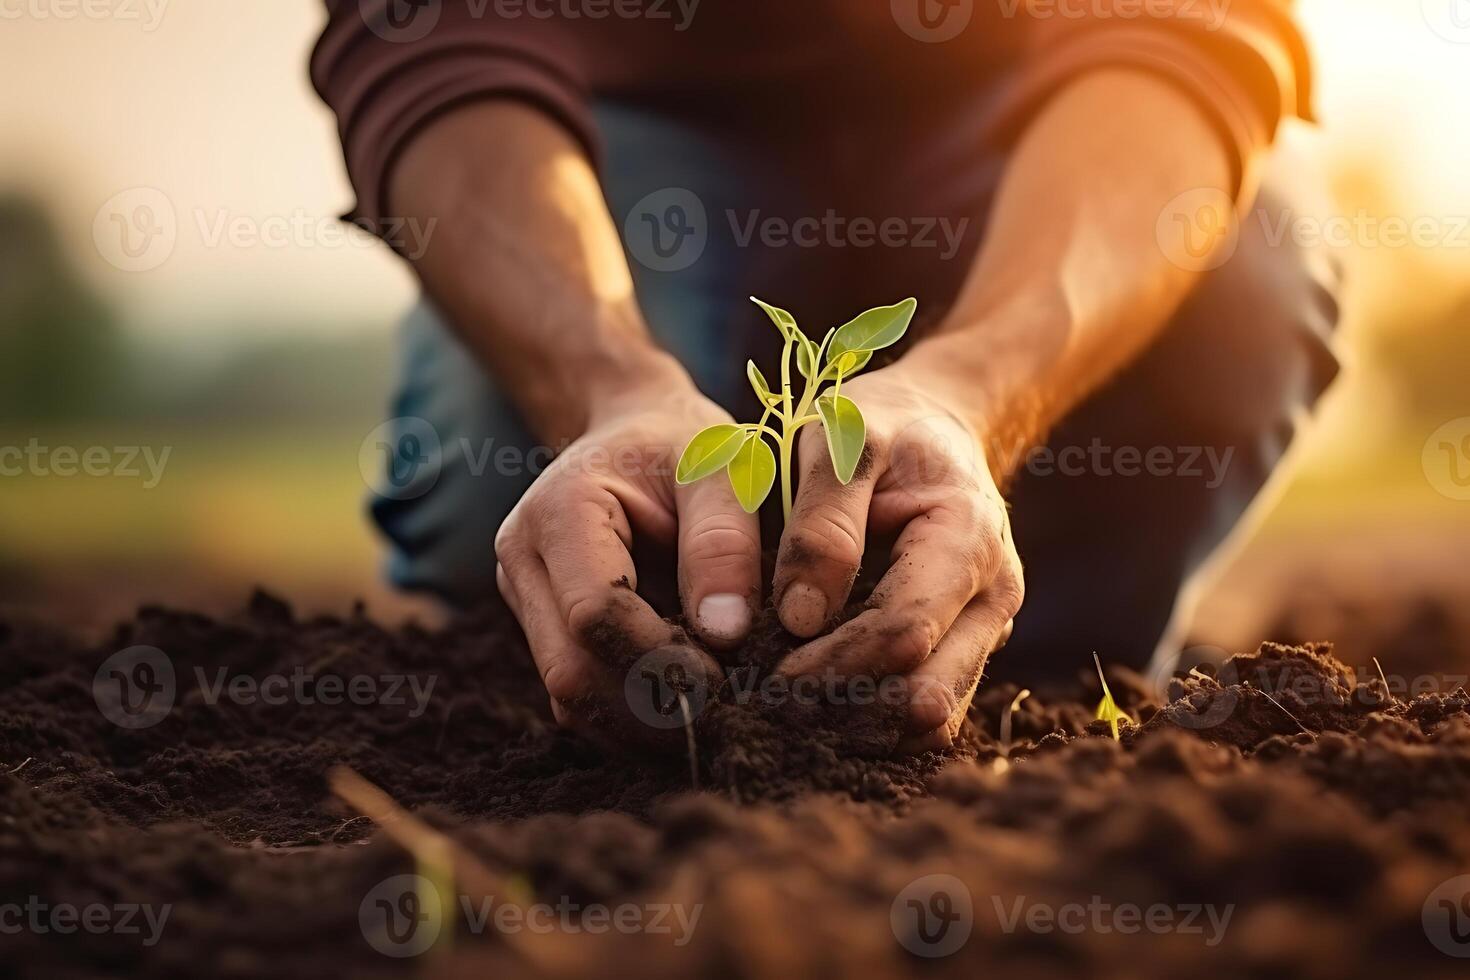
724 616
803 609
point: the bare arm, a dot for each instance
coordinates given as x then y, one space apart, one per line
1073 281
526 263
1070 286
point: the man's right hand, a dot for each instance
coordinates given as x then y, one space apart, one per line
564 561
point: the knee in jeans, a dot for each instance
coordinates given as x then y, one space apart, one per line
1250 348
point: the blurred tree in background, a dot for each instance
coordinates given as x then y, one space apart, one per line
61 349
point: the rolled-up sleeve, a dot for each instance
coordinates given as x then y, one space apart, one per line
389 67
1243 61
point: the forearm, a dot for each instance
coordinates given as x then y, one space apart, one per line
525 262
1072 283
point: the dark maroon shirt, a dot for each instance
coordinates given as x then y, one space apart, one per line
387 67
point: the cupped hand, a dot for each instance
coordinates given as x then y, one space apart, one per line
564 559
948 598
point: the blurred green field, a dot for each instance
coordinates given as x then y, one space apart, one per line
277 501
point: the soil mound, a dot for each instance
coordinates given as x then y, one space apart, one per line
1277 815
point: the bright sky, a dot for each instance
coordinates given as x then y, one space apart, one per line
209 104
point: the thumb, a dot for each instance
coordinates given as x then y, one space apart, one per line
822 547
719 561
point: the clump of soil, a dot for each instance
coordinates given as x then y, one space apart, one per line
1321 811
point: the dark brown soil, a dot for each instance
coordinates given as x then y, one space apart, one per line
1320 811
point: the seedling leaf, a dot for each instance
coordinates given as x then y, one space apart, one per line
785 322
758 382
846 433
1107 708
752 472
751 465
709 452
879 327
806 355
853 361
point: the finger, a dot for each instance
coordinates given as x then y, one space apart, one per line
507 590
583 538
587 696
947 554
947 683
941 688
719 561
568 672
822 546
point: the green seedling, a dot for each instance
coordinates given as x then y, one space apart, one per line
1107 708
742 451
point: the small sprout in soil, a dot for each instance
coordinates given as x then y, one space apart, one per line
1107 708
1282 709
689 742
439 860
1384 677
1005 721
741 450
433 853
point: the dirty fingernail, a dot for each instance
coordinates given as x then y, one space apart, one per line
724 616
803 609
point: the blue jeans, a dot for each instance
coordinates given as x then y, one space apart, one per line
1135 490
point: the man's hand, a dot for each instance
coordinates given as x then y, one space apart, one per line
1071 284
564 559
948 598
